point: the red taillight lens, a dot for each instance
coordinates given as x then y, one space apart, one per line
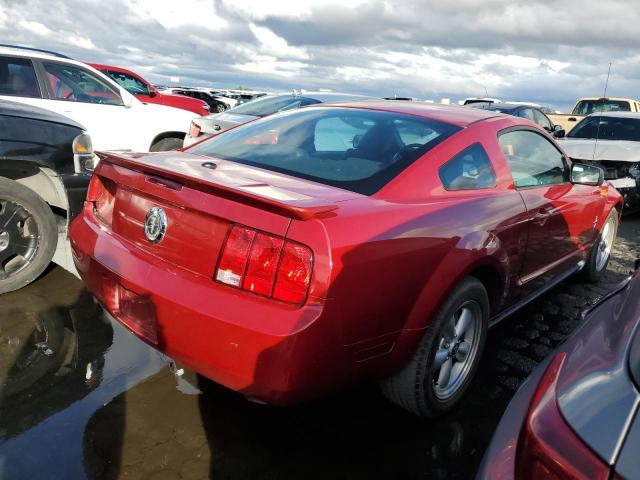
548 448
263 262
266 265
234 258
102 193
294 274
194 130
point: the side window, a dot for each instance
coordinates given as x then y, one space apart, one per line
469 170
542 120
130 83
527 113
533 159
75 84
18 78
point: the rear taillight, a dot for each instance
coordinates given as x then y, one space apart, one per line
194 130
101 193
266 265
547 447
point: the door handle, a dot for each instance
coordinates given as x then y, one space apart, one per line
572 119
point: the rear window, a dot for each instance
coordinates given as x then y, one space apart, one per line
358 150
587 107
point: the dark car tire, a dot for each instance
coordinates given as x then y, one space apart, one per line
413 387
46 241
167 144
595 266
220 107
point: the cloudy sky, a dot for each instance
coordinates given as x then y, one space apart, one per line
545 51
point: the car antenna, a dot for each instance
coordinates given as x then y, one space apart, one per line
604 95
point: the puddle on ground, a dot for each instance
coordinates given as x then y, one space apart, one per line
81 398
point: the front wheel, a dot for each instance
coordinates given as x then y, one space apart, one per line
28 235
600 254
442 368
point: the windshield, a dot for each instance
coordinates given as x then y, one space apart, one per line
607 128
272 104
358 150
587 107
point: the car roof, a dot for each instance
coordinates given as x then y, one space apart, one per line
457 115
616 114
615 99
22 110
33 53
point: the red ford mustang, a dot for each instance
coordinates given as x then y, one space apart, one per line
314 248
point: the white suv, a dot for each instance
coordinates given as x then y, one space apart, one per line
114 117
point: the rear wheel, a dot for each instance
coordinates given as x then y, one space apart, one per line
600 254
167 144
28 235
440 372
220 107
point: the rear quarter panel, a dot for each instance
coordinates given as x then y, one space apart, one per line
395 256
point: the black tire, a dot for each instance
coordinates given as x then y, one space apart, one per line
413 387
16 196
167 144
220 107
593 269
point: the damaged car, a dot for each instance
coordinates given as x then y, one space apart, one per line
611 141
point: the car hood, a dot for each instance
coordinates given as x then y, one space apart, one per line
620 150
22 110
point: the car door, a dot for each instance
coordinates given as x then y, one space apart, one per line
562 217
87 98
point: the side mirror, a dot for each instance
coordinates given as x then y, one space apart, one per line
558 131
582 174
152 91
356 140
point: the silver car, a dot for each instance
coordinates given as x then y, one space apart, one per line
205 127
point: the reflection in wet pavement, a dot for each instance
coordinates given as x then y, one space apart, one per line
82 398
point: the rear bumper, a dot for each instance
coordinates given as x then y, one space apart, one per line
266 350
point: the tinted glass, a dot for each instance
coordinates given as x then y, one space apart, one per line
268 105
469 170
18 78
533 159
607 128
542 120
75 84
526 113
130 83
358 150
587 107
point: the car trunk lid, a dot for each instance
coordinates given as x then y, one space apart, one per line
200 197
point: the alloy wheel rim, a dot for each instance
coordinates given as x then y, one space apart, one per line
605 244
19 238
457 350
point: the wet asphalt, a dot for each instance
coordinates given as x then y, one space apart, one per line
81 398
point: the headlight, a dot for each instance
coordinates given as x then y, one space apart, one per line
83 153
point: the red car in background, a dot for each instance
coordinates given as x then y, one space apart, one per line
317 247
145 92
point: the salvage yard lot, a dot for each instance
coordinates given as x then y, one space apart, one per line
101 404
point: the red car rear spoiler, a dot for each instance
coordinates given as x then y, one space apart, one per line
297 209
